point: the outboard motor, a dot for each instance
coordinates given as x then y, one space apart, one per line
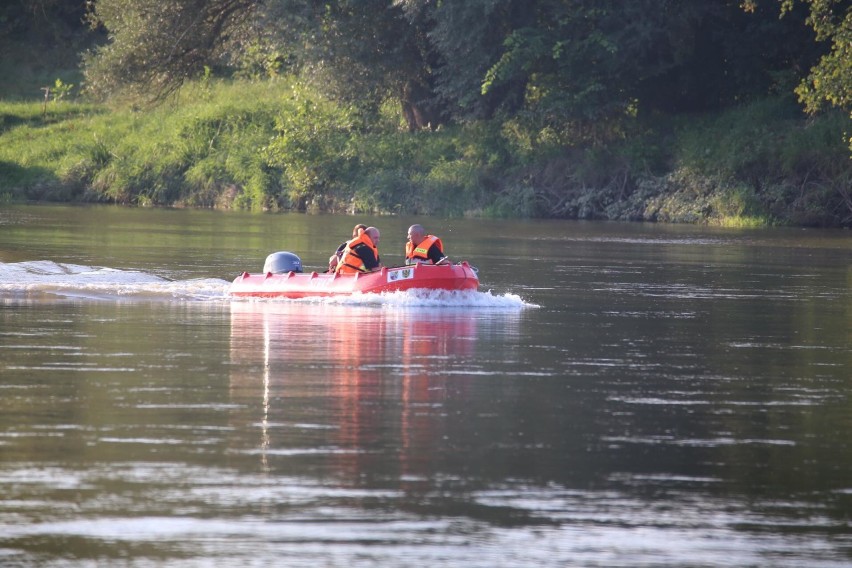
281 263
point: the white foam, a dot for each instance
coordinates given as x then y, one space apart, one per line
96 282
428 299
36 278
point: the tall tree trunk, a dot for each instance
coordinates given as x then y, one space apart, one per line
419 108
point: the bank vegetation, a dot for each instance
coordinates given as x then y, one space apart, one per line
575 109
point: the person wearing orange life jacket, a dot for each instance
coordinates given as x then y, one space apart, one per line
361 253
338 254
424 248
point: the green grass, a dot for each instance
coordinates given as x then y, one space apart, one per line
771 164
183 152
740 222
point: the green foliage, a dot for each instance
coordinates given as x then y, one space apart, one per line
764 140
557 108
577 71
159 44
311 146
40 40
260 60
449 172
468 37
796 170
280 145
513 202
60 90
831 79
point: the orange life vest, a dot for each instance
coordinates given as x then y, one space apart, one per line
421 252
350 262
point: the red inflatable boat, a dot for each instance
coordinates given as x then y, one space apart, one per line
301 285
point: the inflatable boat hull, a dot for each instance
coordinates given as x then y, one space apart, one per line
302 285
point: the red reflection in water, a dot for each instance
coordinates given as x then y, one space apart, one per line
382 375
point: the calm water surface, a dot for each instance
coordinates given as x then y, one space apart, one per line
615 395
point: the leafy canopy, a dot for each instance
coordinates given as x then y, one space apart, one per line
557 64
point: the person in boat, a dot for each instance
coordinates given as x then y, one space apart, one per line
335 258
361 254
424 248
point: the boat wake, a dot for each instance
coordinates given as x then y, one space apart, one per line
45 279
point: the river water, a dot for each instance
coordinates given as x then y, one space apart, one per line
613 395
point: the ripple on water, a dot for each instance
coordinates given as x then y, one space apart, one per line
187 514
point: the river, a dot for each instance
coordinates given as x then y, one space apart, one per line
613 395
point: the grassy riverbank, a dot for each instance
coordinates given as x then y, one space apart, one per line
277 146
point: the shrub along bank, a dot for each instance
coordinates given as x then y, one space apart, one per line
277 146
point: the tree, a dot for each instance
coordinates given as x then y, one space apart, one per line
558 62
155 46
51 21
464 40
581 65
830 81
591 59
731 55
363 52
